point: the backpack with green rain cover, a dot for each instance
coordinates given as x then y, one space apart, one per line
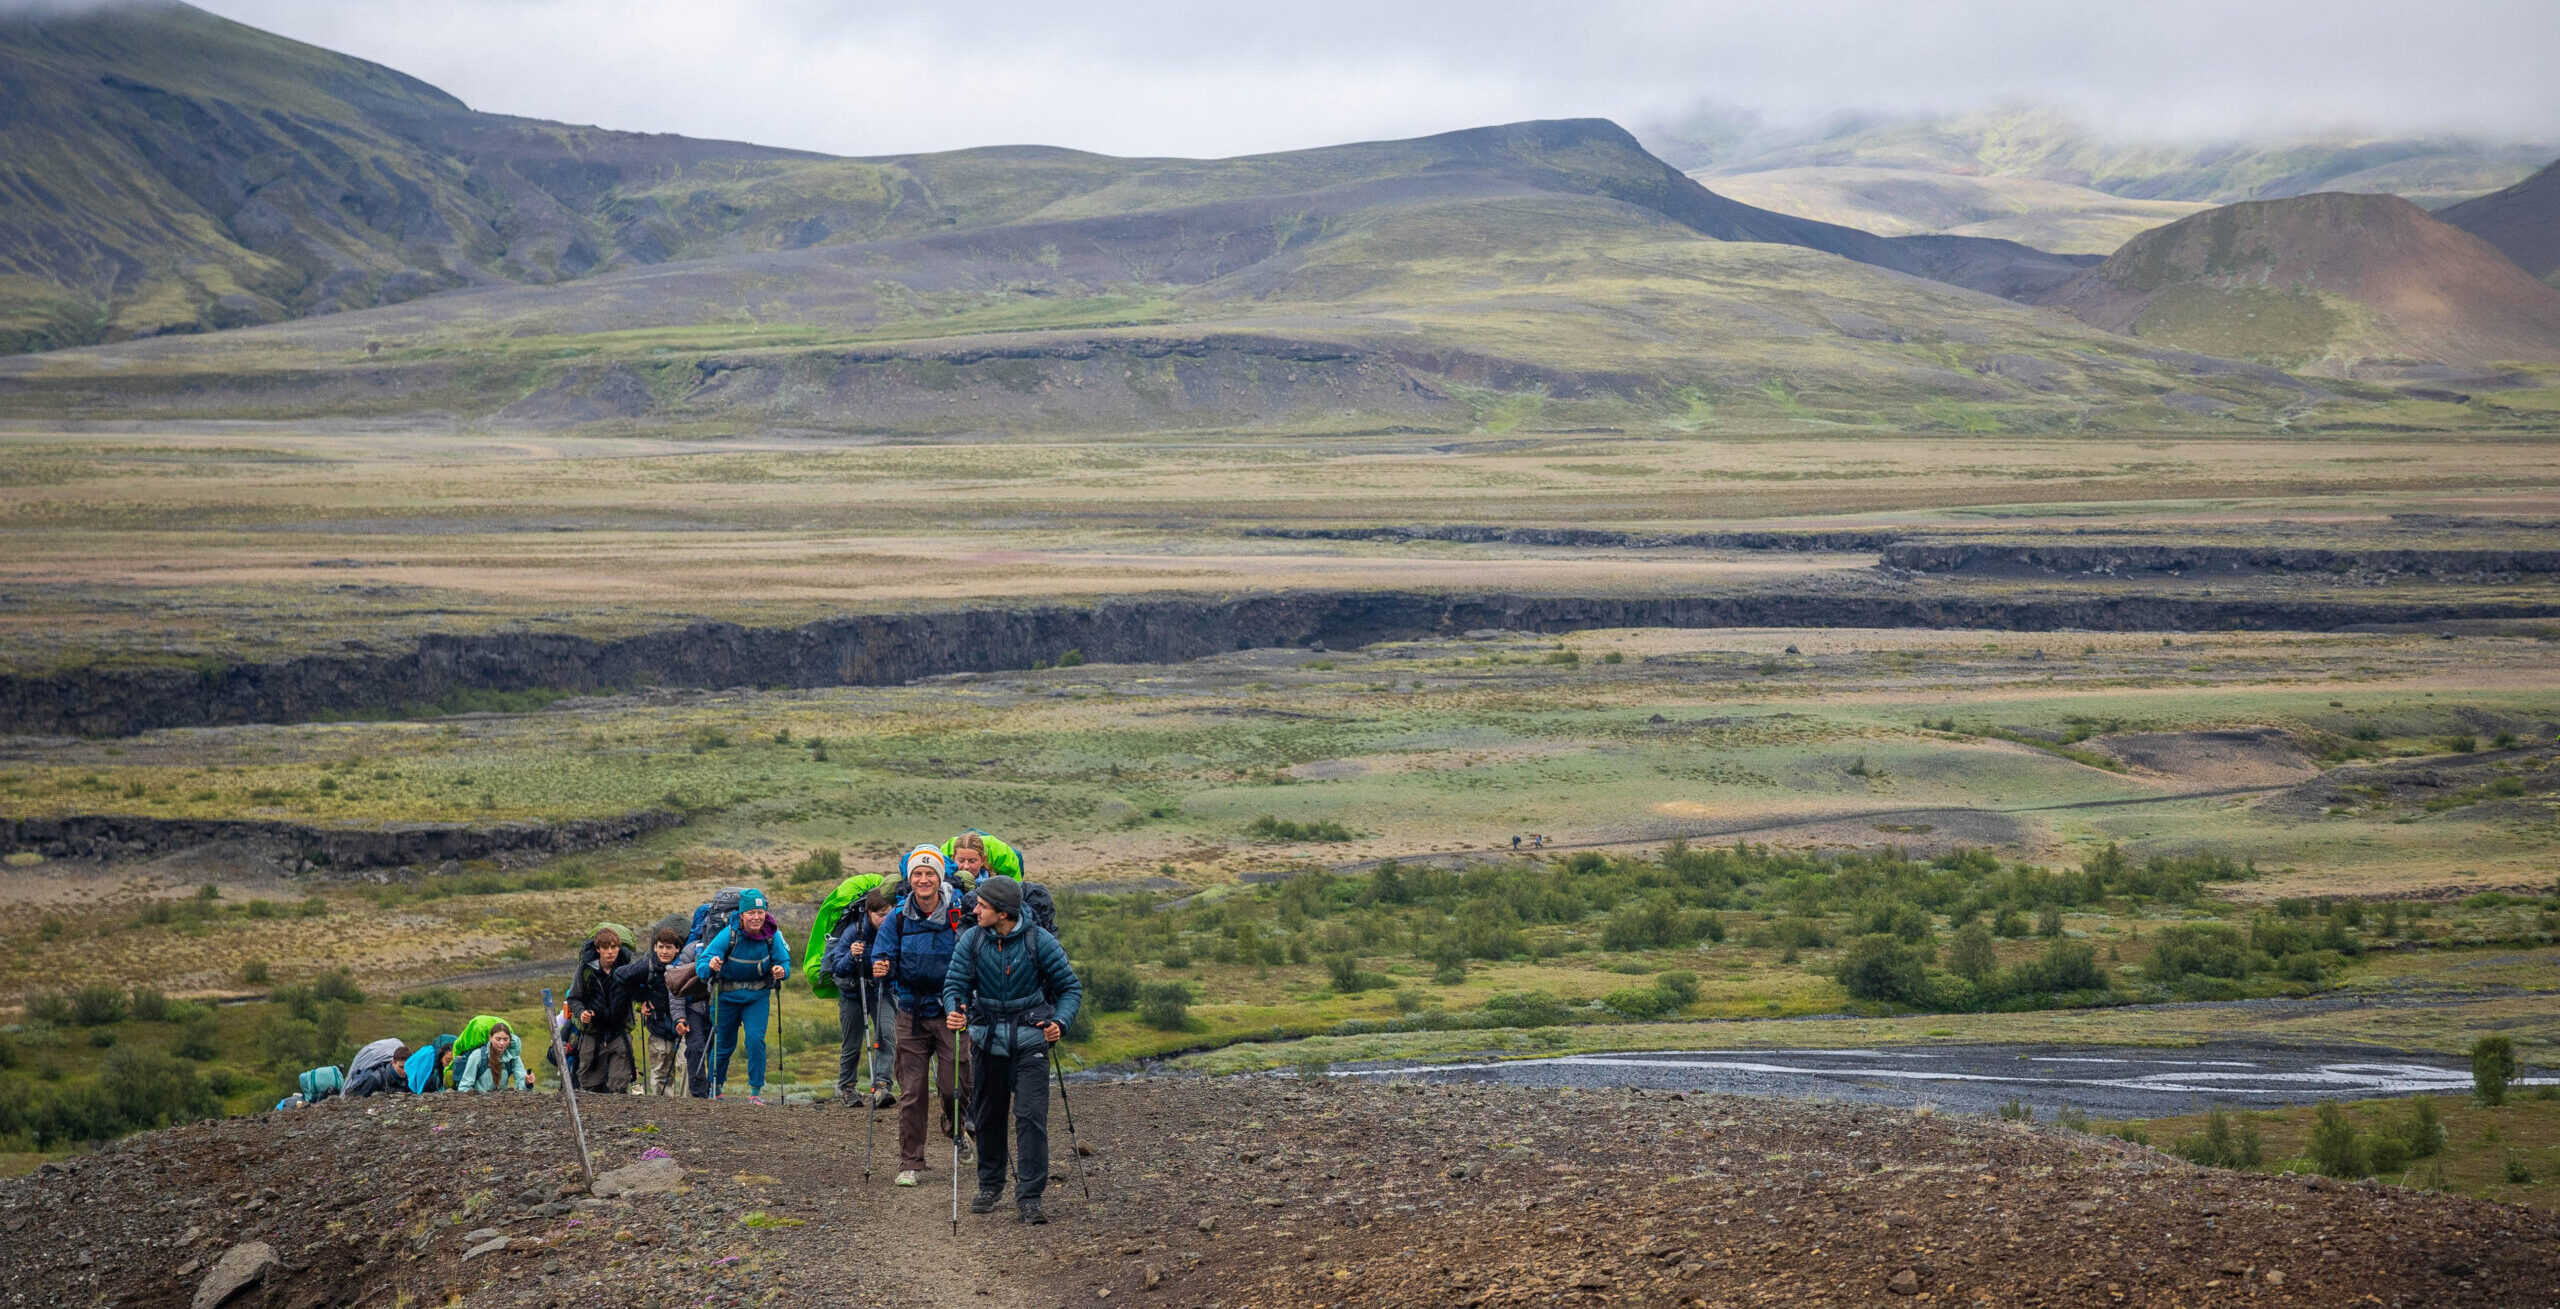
475 1034
831 911
1038 906
1001 858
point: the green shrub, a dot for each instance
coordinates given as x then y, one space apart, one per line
254 972
1527 1009
432 997
1449 974
2517 1174
1111 988
149 1005
1165 1006
50 1007
1639 1003
99 1004
2493 1065
2049 921
820 866
2336 1149
197 1040
1880 967
1282 829
1071 659
337 985
1970 957
1681 986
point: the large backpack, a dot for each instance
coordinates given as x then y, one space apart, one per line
1039 907
715 914
320 1083
475 1034
832 911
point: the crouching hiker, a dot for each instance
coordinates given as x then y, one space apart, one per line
862 1009
430 1069
377 1068
600 1003
750 960
1010 987
494 1062
912 953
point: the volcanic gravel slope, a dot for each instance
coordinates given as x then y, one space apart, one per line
1265 1192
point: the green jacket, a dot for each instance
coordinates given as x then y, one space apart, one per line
997 978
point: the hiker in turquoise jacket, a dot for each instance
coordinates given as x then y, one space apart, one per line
749 960
1010 987
495 1065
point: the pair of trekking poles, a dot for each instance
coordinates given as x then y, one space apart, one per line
960 1120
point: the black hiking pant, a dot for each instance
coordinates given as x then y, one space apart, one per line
1020 1084
854 1025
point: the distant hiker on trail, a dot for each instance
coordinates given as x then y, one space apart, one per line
748 960
658 1014
913 954
600 1003
1010 987
1515 842
376 1069
494 1063
848 961
430 1069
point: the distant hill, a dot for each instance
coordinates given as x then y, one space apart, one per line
2360 286
166 170
2056 216
2049 145
2523 220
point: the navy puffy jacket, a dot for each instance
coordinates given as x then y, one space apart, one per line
918 947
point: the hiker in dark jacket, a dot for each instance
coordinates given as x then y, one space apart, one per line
657 1013
750 960
912 953
689 1000
377 1068
1010 987
848 960
599 1006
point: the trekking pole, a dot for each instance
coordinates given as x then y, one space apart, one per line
569 1083
870 1105
1074 1146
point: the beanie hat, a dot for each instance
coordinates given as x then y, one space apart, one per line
907 865
1002 894
752 899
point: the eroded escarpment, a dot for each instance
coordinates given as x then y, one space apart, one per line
2136 558
304 847
886 649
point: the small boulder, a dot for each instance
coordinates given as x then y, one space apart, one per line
238 1267
1905 1282
491 1246
478 1234
648 1177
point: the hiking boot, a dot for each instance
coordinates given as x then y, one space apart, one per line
907 1177
966 1154
1029 1211
884 1098
753 1098
986 1201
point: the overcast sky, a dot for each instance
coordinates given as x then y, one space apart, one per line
1160 77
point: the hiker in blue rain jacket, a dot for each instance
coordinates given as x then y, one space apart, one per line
912 953
749 960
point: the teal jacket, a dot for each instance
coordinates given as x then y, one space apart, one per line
1004 977
477 1075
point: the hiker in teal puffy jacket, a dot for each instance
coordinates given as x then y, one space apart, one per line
749 960
1011 988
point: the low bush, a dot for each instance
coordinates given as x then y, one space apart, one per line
2220 1145
1165 1006
1111 988
1282 829
432 997
2493 1065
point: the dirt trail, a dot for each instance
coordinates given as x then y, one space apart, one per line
1247 1193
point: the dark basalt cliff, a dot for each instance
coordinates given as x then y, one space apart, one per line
301 847
884 649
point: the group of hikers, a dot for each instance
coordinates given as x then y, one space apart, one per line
957 943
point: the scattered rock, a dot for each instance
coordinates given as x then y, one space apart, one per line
1905 1282
238 1267
478 1234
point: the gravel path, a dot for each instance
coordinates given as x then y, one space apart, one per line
1225 1194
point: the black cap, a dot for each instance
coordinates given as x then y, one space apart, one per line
1002 894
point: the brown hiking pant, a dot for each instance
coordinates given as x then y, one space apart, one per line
604 1062
923 1041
